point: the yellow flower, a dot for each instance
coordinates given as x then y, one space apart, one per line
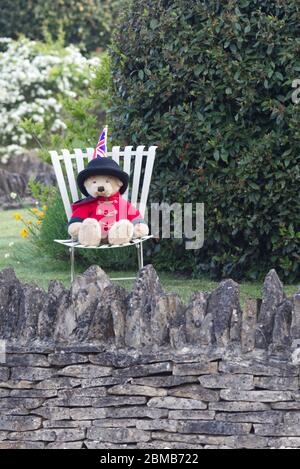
29 222
45 207
41 214
34 210
24 233
18 217
39 222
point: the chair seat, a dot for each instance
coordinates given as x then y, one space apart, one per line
75 244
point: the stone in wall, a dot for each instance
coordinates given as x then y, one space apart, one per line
224 307
273 299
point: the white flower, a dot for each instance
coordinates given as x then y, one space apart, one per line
6 256
30 82
13 195
11 244
5 40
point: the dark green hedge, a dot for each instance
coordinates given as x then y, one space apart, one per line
210 82
88 23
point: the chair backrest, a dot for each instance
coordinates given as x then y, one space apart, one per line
137 163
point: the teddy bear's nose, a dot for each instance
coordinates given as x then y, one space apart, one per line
100 189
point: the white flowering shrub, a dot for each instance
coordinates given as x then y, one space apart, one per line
33 79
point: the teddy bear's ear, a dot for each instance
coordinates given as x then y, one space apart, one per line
120 183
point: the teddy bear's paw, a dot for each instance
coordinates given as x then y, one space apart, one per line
121 233
140 230
90 233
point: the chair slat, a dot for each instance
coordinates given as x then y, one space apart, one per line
137 174
90 153
61 182
116 154
127 166
79 159
147 179
70 174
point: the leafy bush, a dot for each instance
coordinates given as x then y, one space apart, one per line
210 82
33 77
88 23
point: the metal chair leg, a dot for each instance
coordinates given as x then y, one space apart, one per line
140 255
72 258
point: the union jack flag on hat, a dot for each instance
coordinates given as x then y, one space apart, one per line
101 148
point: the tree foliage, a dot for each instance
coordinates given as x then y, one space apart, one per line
88 23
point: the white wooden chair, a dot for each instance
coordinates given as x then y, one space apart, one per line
137 163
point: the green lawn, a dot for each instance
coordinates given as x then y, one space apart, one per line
32 268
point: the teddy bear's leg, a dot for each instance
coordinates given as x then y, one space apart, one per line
140 230
121 232
74 229
90 233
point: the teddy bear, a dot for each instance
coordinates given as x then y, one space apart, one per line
103 216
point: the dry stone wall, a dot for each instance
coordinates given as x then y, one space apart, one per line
80 399
94 366
96 310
